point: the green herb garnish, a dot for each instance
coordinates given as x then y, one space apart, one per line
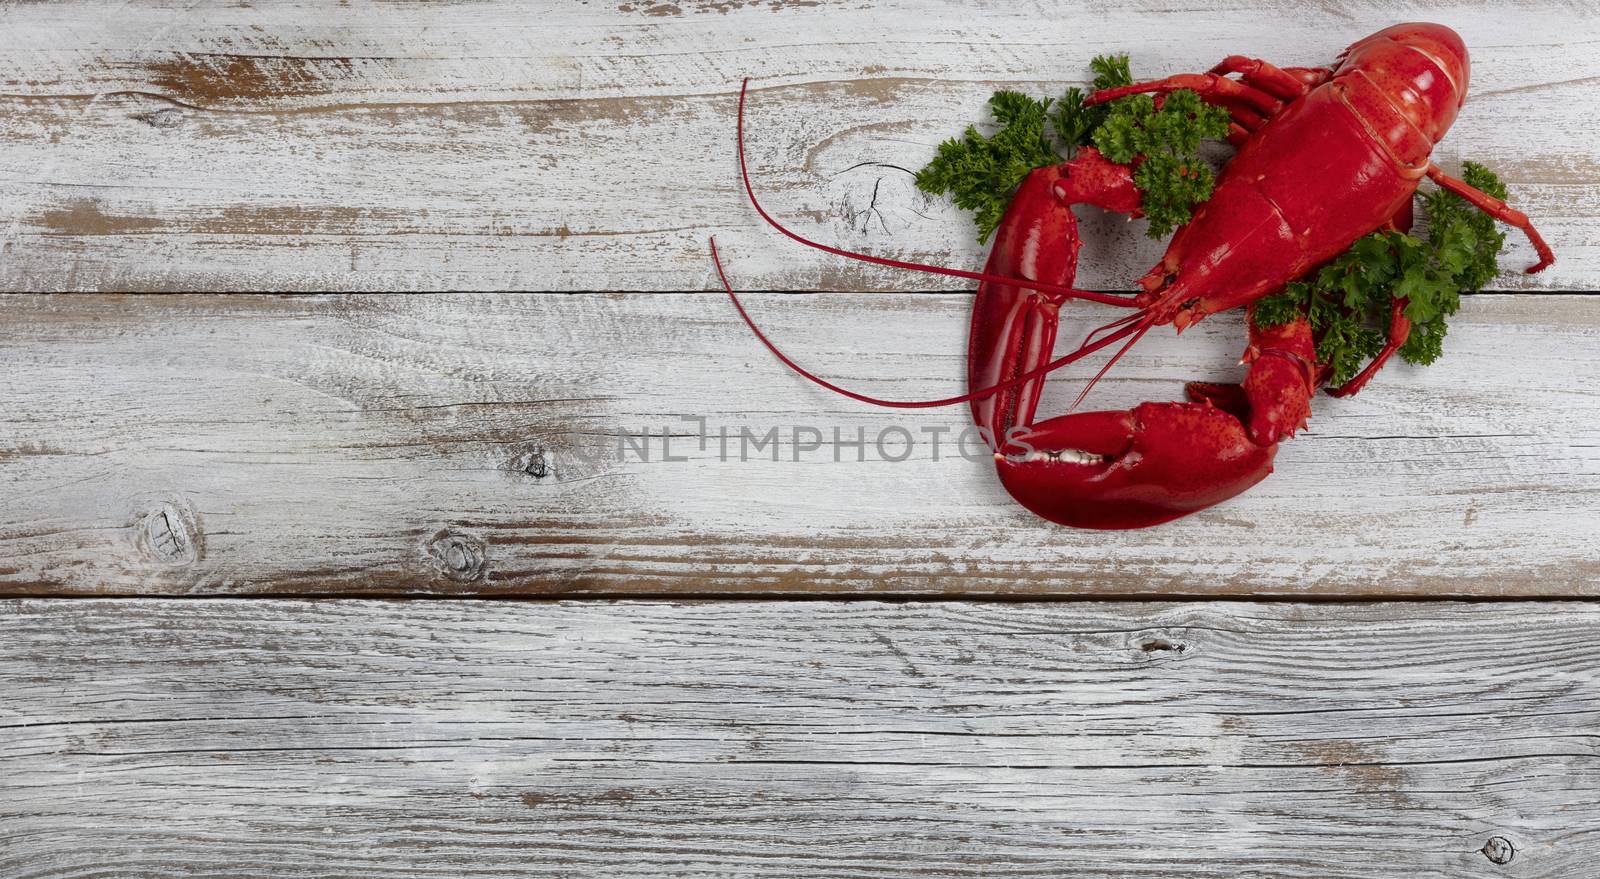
981 173
1075 123
1348 300
1171 177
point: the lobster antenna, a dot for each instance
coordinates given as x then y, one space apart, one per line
1028 376
1125 319
744 171
1142 329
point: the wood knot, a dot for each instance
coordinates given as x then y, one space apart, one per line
537 467
533 462
169 535
169 117
1160 645
459 557
1499 850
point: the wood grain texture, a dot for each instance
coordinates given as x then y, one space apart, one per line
830 740
303 145
472 444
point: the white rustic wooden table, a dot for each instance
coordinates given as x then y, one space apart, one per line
247 542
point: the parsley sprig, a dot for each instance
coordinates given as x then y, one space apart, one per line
1075 123
1348 300
981 173
1171 177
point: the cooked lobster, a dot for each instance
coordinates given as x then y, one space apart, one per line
1325 155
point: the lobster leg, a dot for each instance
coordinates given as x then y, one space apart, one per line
1311 76
1498 209
1399 331
1399 324
1264 75
1249 105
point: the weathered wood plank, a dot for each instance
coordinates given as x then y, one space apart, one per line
291 144
367 739
470 444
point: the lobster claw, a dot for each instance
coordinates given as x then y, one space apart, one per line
1159 461
1013 328
1134 468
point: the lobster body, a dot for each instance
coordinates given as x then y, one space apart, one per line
1326 169
1325 156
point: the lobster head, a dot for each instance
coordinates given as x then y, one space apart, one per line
1422 66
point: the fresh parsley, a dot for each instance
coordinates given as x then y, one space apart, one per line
1171 177
1075 124
1348 300
981 173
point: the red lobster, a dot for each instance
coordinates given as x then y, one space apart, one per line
1325 156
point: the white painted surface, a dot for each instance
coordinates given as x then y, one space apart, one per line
756 739
321 444
510 145
246 446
